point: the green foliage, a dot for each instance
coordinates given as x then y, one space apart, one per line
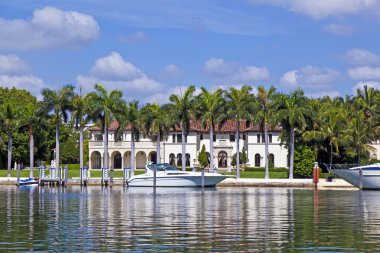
303 161
202 157
243 158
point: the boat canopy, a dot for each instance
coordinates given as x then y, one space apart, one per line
161 167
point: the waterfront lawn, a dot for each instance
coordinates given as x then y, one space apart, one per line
259 174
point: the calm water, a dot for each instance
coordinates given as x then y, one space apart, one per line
188 220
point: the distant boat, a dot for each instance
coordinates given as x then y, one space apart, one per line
370 174
169 176
31 180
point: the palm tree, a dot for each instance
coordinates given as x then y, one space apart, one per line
80 117
240 104
60 103
35 116
156 122
266 116
104 107
209 110
182 109
292 112
132 118
10 122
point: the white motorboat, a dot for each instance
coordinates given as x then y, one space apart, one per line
370 174
169 176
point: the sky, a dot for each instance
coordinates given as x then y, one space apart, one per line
150 49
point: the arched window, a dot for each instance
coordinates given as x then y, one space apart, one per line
179 159
187 160
271 160
172 160
153 157
117 161
257 160
222 159
96 160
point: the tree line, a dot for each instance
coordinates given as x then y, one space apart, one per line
338 129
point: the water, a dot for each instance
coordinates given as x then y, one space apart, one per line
188 220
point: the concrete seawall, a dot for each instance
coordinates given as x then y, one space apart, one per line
229 182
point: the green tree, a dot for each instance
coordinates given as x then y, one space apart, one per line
303 161
292 112
266 117
104 107
132 118
59 103
210 111
80 117
182 109
240 105
202 157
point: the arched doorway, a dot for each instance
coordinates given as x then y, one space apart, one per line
116 160
222 159
153 157
179 159
172 159
140 160
96 160
257 160
271 160
187 160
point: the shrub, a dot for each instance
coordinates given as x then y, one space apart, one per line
303 161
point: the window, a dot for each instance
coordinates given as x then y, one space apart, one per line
232 137
173 138
257 160
271 160
263 138
201 137
270 138
208 157
187 160
258 138
98 137
172 160
243 137
179 138
179 159
214 137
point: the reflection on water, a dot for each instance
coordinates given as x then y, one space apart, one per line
177 220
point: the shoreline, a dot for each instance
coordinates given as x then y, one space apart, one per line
229 182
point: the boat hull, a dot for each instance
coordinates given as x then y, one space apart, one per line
370 181
176 181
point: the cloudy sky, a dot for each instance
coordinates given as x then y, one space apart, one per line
152 48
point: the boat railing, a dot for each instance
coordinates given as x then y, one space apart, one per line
338 166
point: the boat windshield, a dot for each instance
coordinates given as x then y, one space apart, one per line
161 167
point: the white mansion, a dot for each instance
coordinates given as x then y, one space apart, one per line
251 139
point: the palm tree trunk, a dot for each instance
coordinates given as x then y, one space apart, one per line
31 151
331 154
158 148
81 146
183 148
211 147
237 150
9 152
57 145
105 163
266 150
291 152
132 155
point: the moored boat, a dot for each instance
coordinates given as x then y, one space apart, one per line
169 176
27 181
369 178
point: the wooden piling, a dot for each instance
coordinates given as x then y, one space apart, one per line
360 179
18 175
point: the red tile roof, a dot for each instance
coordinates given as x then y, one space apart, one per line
196 126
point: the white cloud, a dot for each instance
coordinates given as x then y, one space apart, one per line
163 97
232 73
357 56
364 73
323 93
320 9
48 28
115 73
171 71
340 29
369 84
12 64
13 74
310 76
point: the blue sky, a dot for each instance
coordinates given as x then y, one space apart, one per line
152 48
